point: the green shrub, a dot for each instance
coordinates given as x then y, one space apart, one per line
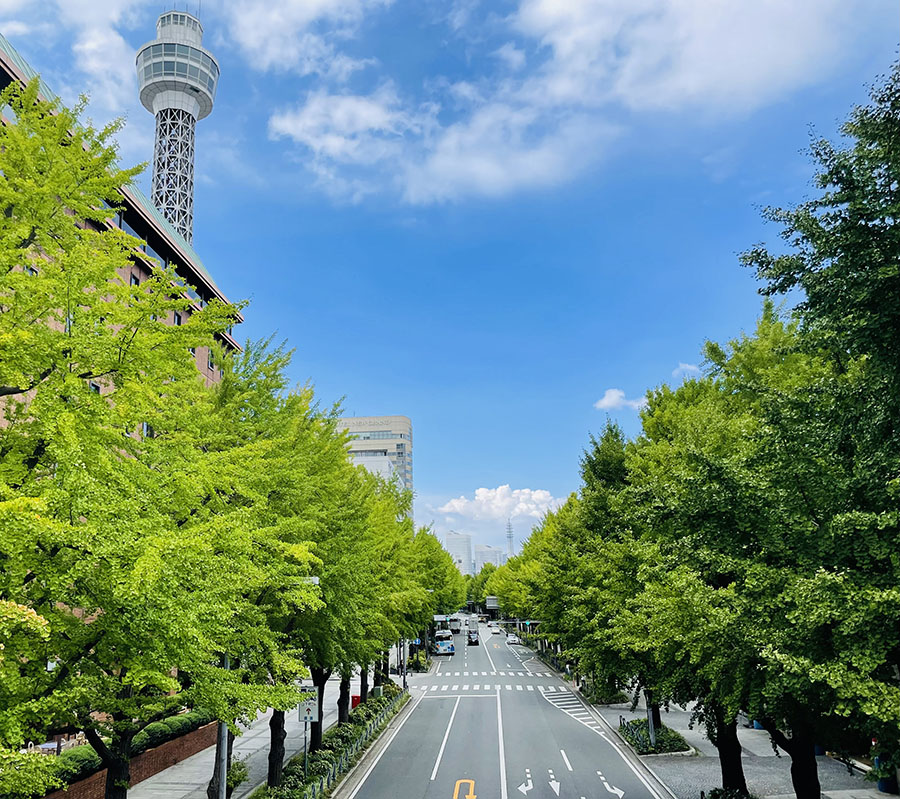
157 733
637 733
75 764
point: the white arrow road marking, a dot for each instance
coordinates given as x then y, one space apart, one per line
611 788
555 785
526 786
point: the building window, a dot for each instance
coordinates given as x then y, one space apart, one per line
30 270
135 280
94 386
176 318
192 351
210 363
147 430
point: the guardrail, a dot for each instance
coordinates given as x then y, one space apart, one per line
317 790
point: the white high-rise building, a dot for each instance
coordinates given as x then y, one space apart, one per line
382 444
178 80
459 545
484 553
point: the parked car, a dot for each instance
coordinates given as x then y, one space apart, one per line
472 638
496 631
512 638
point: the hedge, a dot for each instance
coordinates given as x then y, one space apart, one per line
340 745
82 761
637 733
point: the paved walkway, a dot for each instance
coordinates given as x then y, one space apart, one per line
767 771
189 778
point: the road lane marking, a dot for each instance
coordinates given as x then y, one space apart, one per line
518 687
471 789
440 753
445 687
508 687
490 659
530 687
465 687
387 745
434 687
566 760
502 673
455 688
502 752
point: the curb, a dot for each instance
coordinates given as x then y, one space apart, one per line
346 786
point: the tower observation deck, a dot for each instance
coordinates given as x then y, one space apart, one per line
178 80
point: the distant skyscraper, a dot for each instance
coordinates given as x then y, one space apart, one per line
459 545
178 80
487 554
383 444
510 548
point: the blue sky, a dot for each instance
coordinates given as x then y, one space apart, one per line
491 217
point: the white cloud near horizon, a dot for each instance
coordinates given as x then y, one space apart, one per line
502 503
614 399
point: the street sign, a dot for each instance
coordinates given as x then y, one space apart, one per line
308 712
417 641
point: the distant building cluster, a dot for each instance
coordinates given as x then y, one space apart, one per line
471 560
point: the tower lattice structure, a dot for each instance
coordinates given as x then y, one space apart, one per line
178 80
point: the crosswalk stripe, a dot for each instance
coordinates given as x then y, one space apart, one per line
476 687
521 674
502 673
530 687
455 688
465 687
456 674
518 687
434 687
445 687
508 687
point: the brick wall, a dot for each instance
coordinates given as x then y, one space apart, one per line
145 764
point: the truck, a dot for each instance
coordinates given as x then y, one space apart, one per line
455 625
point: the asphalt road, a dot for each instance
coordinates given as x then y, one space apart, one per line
493 723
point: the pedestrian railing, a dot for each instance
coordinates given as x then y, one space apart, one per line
317 790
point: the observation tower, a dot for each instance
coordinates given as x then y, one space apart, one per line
178 80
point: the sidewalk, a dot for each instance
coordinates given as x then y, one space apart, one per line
189 778
768 774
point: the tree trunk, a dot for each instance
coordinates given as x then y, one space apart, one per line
212 789
376 671
657 717
386 666
116 759
319 677
276 749
343 703
364 682
801 747
726 741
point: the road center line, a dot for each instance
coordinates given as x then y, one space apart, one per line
440 753
565 759
503 794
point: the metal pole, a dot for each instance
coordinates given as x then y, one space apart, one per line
223 752
305 728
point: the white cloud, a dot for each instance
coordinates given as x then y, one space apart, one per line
298 35
542 121
510 55
686 369
502 503
614 399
